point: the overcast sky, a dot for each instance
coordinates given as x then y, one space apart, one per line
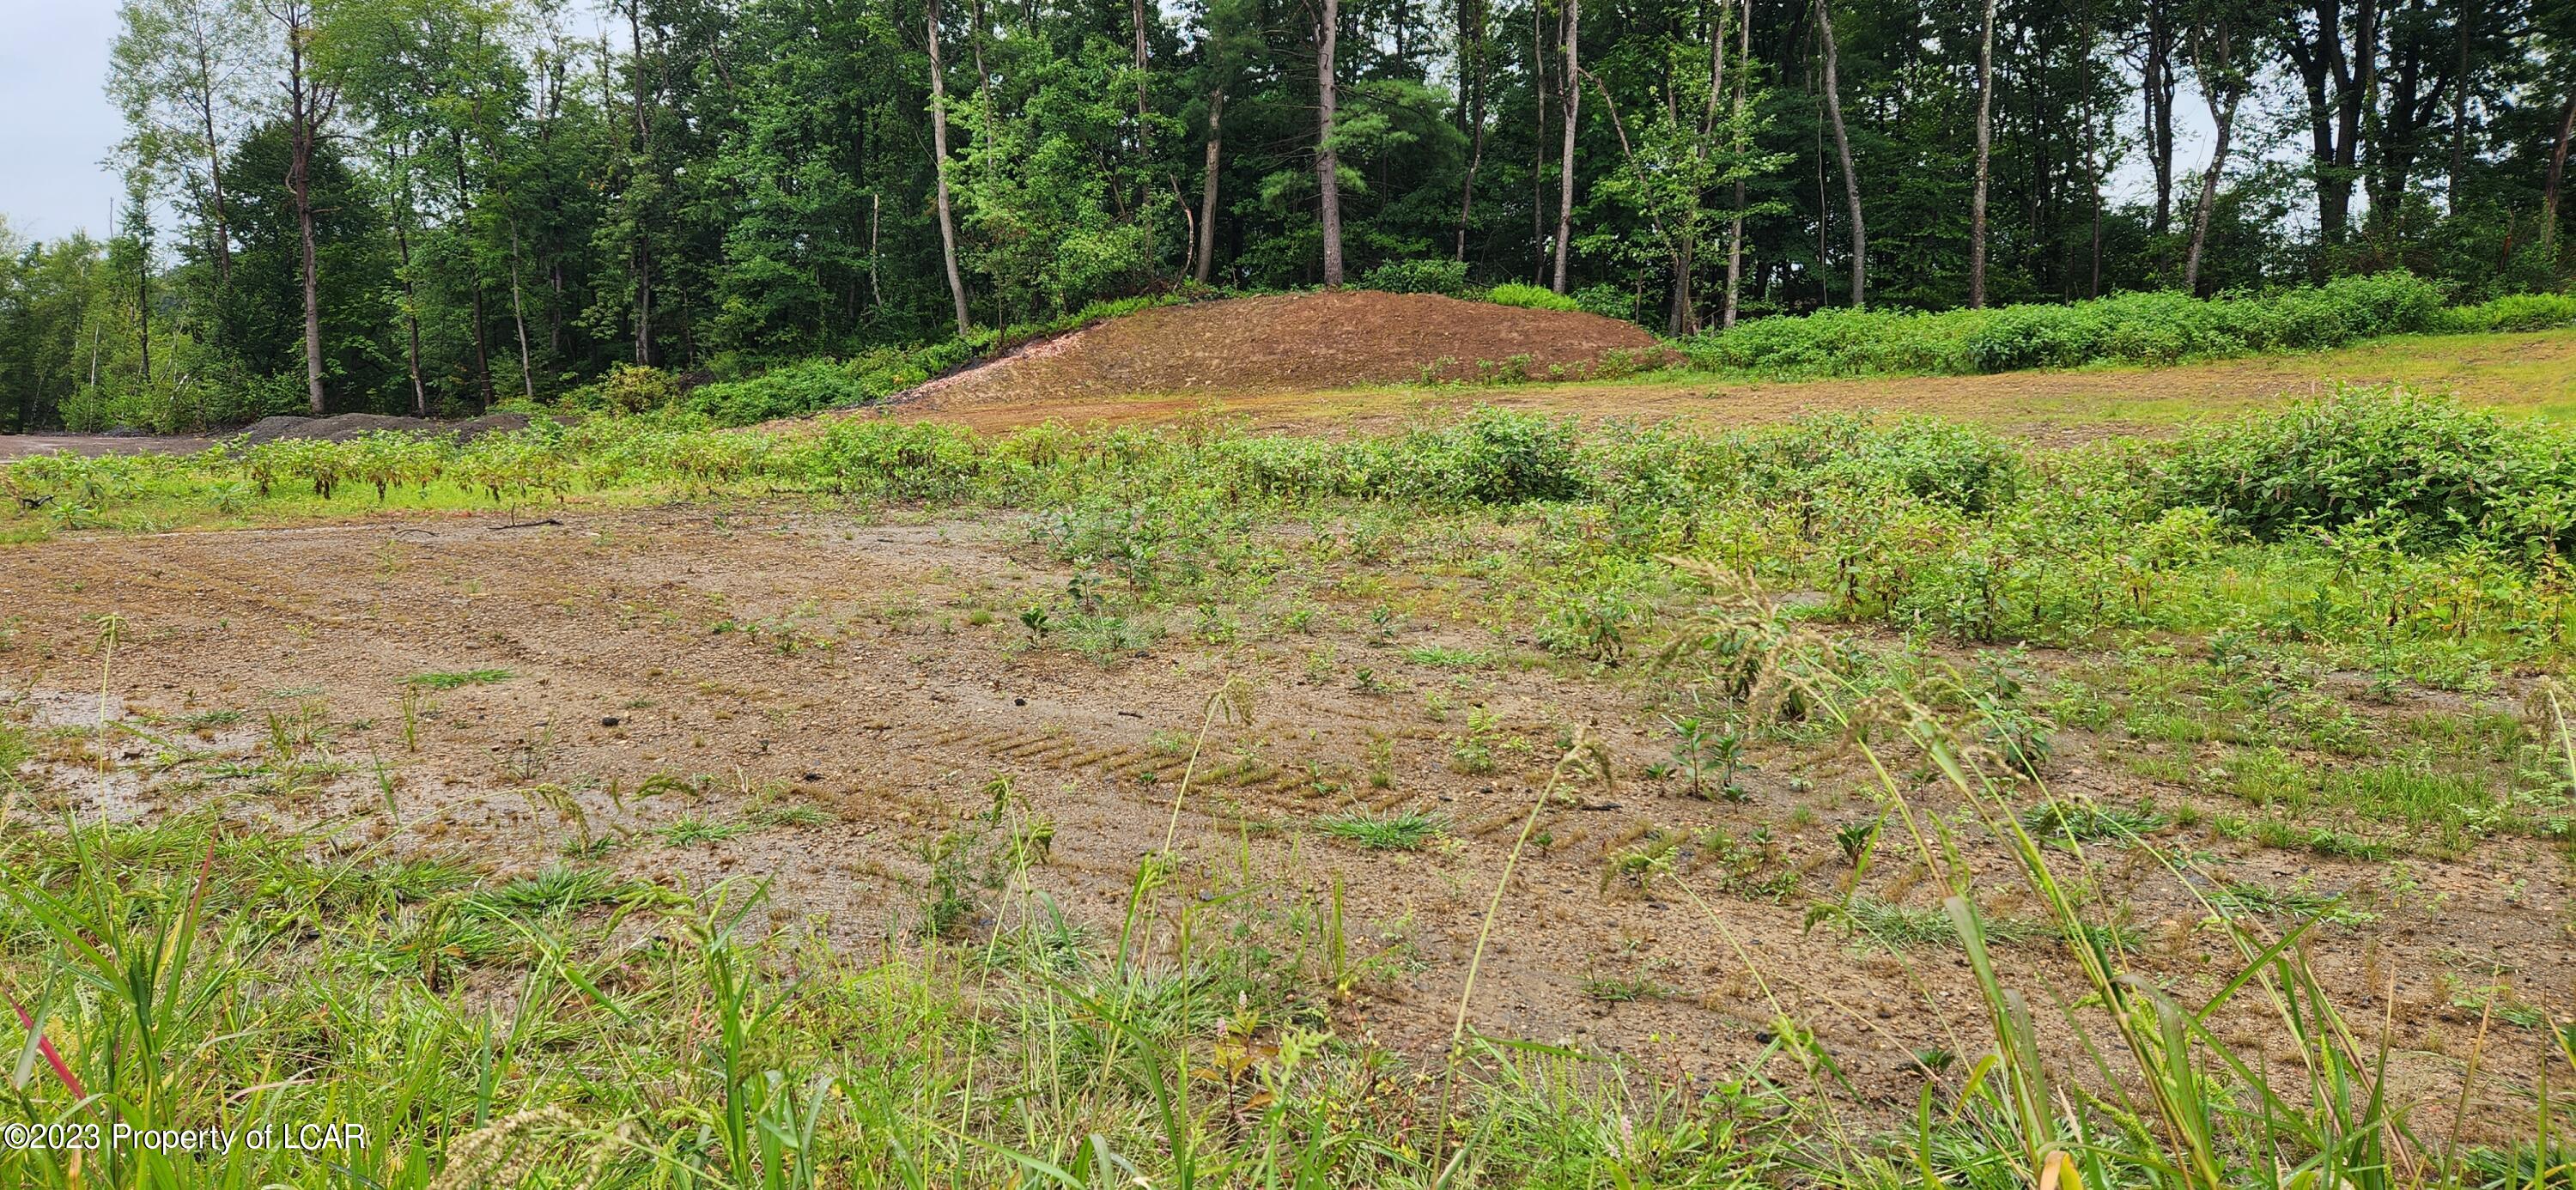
56 124
55 121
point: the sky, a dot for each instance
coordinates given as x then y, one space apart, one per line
56 124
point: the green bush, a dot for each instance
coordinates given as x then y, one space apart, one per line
2513 312
2128 328
1531 297
2413 466
810 386
1418 276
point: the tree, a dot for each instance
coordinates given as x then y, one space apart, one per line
178 72
1843 154
1328 170
2223 80
1985 159
310 104
939 155
1565 167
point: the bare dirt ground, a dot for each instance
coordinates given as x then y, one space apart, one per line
1284 343
2535 371
778 657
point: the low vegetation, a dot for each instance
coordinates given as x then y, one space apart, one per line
2322 633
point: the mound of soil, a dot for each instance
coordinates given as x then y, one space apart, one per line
1285 343
346 426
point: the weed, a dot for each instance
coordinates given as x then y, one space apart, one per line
1406 830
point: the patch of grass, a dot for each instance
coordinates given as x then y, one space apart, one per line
1405 830
2301 903
554 893
459 679
1447 657
2087 822
1622 989
691 830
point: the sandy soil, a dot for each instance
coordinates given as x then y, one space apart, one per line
2048 406
1284 343
778 657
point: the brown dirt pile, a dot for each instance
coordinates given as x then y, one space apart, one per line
1284 343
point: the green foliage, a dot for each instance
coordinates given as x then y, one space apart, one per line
2129 328
1530 297
2512 312
1419 276
2382 463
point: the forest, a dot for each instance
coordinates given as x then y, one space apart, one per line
437 206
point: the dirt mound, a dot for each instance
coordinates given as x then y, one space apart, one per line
1286 343
346 426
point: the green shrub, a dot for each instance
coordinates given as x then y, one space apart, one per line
2513 312
2420 467
630 388
1512 293
1418 276
2127 328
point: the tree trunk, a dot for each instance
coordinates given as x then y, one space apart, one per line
1985 157
1735 223
939 150
304 112
2557 175
1471 51
1842 153
1328 170
1136 18
2460 108
2222 112
2157 84
1207 187
519 314
1684 319
215 183
1565 168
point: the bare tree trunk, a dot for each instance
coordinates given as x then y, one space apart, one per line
1538 138
519 314
214 164
308 105
2156 83
1842 153
1136 18
1565 168
1472 69
939 149
2557 174
876 294
1328 170
1684 319
1735 224
2460 108
1985 158
1207 187
2223 113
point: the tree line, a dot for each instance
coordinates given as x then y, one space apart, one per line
437 205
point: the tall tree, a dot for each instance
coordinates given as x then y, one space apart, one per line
1328 170
310 104
1565 166
1985 159
2338 78
1743 137
2222 85
939 155
178 72
1843 154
